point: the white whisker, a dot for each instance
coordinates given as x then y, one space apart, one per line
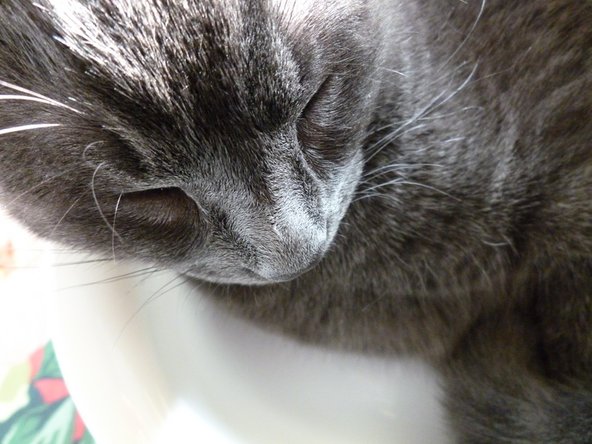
385 169
162 291
92 188
400 181
454 113
25 98
402 74
40 96
391 137
36 186
114 218
64 216
16 129
88 147
467 36
404 128
43 8
428 187
459 89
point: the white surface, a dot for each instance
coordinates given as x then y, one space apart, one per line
23 285
23 328
175 369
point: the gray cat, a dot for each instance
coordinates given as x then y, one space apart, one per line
387 176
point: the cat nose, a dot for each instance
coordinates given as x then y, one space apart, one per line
279 275
282 272
291 255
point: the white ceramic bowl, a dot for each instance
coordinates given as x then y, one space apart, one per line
147 359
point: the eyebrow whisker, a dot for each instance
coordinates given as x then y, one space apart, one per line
40 96
16 129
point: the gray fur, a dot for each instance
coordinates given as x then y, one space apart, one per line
434 155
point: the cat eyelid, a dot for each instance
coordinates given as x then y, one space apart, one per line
317 96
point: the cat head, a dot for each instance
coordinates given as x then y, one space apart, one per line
219 138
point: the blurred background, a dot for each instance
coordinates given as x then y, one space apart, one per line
150 359
35 406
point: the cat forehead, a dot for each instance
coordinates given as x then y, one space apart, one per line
229 62
177 51
295 11
113 31
88 20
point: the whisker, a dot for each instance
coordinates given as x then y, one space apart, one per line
391 137
364 196
433 105
64 216
402 74
92 187
459 89
81 262
33 188
40 96
88 147
399 181
64 264
121 277
25 98
454 113
467 36
437 190
114 218
163 290
145 278
372 174
16 129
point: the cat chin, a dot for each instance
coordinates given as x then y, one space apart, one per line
247 277
230 280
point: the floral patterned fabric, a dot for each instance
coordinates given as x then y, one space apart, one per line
35 407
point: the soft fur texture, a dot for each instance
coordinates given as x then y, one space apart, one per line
434 155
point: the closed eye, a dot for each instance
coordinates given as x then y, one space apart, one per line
313 103
156 218
317 130
160 206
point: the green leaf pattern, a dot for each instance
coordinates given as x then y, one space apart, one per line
39 422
